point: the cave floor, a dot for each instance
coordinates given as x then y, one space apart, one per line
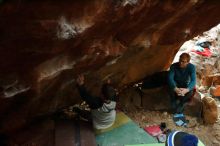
208 134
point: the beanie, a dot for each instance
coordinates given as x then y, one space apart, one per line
189 140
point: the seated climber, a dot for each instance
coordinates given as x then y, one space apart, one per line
102 108
181 81
179 138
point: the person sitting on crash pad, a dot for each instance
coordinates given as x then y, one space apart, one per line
181 81
102 108
179 138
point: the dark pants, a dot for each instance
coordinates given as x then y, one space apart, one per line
178 102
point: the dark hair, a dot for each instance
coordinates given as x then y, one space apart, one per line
108 92
185 55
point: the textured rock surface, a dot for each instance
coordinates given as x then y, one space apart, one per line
215 91
45 44
210 110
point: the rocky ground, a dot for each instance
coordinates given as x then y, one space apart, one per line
206 68
208 134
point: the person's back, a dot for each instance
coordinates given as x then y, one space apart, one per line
102 110
104 116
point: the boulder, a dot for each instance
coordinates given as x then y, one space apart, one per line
215 91
210 110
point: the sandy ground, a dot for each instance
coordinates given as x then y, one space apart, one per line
208 134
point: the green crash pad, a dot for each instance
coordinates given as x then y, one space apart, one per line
123 132
151 144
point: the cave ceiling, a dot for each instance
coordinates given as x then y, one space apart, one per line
45 44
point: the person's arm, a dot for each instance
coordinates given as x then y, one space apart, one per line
83 92
171 82
93 102
81 87
192 82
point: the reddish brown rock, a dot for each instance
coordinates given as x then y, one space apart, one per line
130 99
210 80
210 110
156 99
45 44
215 91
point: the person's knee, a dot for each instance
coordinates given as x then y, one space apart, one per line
188 96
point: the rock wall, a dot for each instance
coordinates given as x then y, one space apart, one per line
45 44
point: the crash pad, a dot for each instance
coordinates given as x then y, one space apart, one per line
123 132
151 144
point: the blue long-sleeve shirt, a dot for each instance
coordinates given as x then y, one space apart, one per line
182 77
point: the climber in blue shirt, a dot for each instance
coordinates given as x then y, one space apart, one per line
181 81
